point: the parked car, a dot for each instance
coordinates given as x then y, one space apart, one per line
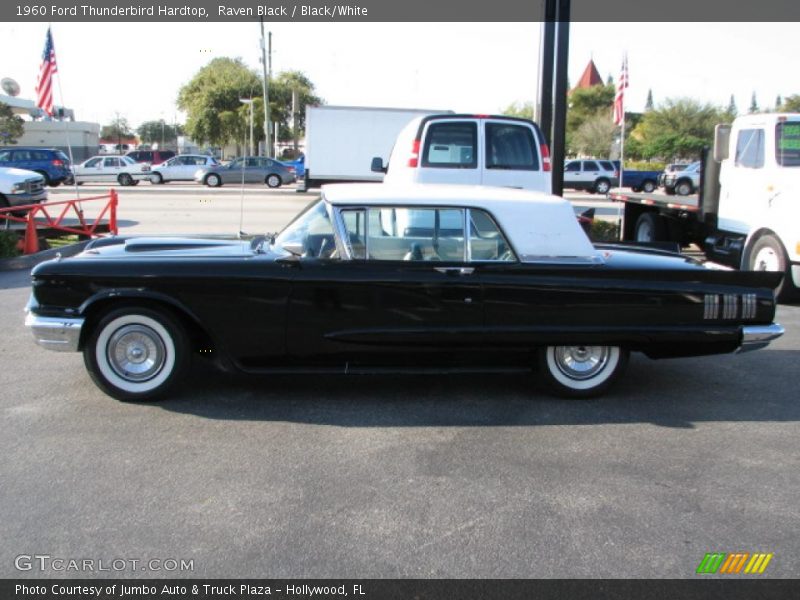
50 163
154 157
19 187
669 169
181 168
469 150
108 169
299 165
374 277
683 182
593 175
249 169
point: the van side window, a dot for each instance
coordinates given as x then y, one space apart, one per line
510 147
750 148
451 145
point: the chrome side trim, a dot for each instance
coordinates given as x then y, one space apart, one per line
759 336
60 334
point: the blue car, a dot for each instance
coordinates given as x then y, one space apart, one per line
299 165
50 163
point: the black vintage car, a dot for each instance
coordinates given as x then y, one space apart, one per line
372 277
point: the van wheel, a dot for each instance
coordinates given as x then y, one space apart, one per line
582 371
136 353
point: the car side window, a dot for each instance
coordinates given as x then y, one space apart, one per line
590 165
95 162
415 234
510 147
750 148
573 166
486 241
5 156
607 165
451 145
22 155
355 226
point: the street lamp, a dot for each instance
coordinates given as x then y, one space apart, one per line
250 102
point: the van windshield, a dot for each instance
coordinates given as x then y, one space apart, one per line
787 143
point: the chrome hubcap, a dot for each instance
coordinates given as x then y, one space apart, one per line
581 362
766 260
136 353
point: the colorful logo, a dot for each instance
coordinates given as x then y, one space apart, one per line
734 563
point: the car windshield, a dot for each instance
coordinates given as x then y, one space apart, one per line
312 229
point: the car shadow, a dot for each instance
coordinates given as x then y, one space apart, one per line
674 393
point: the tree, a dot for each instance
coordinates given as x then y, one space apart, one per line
158 132
677 129
753 104
778 102
522 110
595 136
11 125
212 93
732 110
280 102
649 104
791 104
117 129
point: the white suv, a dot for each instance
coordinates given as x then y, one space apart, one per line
593 175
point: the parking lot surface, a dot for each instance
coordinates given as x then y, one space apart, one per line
399 476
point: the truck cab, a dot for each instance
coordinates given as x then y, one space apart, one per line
759 198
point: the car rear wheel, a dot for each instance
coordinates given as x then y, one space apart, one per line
650 228
601 186
156 178
213 180
136 353
125 179
273 181
582 371
684 188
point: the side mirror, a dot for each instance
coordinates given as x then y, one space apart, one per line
377 165
722 138
293 248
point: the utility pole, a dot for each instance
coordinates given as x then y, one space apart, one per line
267 73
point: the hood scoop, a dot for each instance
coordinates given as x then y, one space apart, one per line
166 244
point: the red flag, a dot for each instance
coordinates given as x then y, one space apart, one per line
44 84
619 99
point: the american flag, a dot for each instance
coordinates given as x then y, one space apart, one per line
44 84
619 99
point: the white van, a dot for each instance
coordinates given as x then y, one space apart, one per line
471 150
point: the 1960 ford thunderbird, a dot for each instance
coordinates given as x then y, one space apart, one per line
372 277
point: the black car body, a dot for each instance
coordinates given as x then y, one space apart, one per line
372 277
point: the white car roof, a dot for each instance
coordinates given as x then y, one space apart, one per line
539 226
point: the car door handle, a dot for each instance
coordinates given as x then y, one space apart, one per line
455 270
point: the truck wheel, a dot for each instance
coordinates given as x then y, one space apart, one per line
136 353
649 186
768 254
601 186
684 187
582 371
650 228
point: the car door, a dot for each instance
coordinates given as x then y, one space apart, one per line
401 292
590 173
112 167
512 156
572 174
91 170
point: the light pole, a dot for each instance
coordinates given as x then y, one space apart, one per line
250 102
267 75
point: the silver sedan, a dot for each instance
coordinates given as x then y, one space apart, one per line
250 169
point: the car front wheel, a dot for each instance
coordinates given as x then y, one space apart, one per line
274 181
582 371
156 178
136 353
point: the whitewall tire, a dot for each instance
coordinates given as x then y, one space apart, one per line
582 371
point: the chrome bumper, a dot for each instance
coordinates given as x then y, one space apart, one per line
60 334
759 336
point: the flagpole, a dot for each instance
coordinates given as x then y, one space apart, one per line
66 136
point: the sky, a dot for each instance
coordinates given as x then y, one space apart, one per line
136 69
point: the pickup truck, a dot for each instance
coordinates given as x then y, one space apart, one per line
638 181
19 187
